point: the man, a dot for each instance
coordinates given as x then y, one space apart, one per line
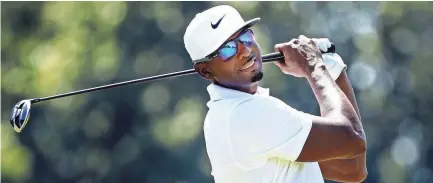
254 137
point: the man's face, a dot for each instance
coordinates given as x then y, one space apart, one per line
243 70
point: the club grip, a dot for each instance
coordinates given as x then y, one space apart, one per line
278 56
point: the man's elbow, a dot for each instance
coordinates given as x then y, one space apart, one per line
357 145
359 176
347 176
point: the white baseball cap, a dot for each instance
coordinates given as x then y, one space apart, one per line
211 28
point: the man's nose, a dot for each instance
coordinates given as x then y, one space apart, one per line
244 51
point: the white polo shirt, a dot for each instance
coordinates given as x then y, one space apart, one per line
256 139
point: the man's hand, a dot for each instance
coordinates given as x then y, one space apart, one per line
333 62
300 55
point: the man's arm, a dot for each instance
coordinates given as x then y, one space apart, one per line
345 170
337 133
339 122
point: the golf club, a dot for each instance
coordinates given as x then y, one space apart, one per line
21 112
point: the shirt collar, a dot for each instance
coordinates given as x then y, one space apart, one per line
218 92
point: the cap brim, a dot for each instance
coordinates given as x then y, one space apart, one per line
247 25
250 23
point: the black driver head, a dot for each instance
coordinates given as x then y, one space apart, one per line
20 115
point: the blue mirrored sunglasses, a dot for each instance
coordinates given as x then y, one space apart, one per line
230 48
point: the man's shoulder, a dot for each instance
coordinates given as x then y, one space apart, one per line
246 108
253 101
256 108
261 103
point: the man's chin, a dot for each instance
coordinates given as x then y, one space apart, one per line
257 77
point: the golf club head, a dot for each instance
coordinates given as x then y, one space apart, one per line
20 115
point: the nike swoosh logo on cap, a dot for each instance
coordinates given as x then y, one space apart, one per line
214 26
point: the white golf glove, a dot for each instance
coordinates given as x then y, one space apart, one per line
333 61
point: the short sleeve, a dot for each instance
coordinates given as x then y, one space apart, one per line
266 127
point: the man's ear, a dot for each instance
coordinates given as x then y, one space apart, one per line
202 69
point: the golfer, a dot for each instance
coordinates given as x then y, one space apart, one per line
253 137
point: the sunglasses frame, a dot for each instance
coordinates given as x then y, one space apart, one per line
216 52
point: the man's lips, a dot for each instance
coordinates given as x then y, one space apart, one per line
249 64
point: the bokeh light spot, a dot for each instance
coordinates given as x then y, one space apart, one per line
155 98
16 160
405 151
362 74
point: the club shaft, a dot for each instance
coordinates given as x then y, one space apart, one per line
266 58
114 85
271 57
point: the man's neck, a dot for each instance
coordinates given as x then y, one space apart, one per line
251 88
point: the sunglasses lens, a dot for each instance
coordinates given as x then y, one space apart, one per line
228 50
247 38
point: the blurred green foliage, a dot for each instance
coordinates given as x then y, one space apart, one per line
153 132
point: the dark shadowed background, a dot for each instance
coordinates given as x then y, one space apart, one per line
152 133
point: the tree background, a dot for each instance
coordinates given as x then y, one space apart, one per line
153 132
